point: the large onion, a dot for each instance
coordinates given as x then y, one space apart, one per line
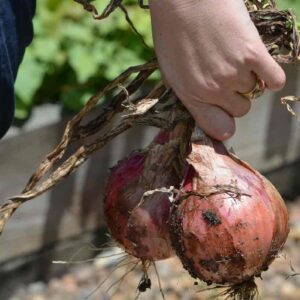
136 214
228 222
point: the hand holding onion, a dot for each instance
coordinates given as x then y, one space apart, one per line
208 52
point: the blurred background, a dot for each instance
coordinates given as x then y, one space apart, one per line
72 57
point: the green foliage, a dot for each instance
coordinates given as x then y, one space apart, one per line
292 4
73 56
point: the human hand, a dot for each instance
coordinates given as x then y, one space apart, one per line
209 52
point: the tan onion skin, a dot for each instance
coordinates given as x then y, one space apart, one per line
224 238
141 227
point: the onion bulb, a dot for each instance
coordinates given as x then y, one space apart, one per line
135 209
228 222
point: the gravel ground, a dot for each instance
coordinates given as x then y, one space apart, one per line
120 282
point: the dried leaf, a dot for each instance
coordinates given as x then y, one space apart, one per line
285 101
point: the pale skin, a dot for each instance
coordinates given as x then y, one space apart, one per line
209 52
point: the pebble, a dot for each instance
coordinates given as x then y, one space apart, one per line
69 283
290 292
84 274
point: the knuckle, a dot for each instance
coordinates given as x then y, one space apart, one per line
250 54
212 85
244 84
224 78
241 112
242 109
229 78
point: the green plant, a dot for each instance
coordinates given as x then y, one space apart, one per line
293 4
72 55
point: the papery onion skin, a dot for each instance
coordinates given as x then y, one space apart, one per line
226 238
140 227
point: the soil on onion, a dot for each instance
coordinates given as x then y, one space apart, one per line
210 216
280 282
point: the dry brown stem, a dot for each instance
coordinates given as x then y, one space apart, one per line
74 131
253 5
109 9
278 31
286 101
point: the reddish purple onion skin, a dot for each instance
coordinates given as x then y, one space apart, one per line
140 227
224 238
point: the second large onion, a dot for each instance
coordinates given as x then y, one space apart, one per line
135 209
229 222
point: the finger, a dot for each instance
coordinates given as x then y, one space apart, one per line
164 80
269 70
235 104
246 83
214 121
